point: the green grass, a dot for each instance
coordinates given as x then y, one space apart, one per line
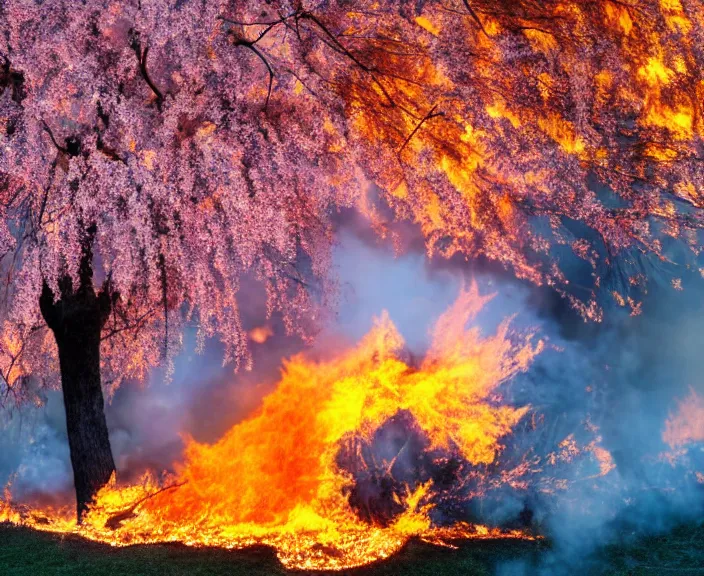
680 552
24 552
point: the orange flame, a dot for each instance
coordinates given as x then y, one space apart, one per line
687 424
260 334
274 478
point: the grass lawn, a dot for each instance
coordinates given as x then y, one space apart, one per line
24 552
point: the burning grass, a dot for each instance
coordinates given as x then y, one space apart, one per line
348 459
343 463
25 552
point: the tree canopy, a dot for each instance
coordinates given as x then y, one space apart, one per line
206 141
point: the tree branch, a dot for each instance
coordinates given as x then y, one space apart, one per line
51 135
138 323
142 59
115 521
250 45
427 117
474 15
342 49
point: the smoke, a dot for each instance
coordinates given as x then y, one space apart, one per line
609 387
34 454
617 381
636 369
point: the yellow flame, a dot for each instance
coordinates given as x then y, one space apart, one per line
274 478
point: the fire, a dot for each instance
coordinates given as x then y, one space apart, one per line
687 424
288 476
260 334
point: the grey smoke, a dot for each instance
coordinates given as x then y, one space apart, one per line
34 448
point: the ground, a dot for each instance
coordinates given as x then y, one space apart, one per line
24 552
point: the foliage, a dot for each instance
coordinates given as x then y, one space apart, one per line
211 141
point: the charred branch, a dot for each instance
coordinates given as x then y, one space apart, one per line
115 521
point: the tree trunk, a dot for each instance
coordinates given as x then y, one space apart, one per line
76 320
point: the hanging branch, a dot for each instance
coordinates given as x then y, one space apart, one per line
142 59
474 15
249 44
427 117
339 47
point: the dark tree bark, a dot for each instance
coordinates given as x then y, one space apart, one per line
76 319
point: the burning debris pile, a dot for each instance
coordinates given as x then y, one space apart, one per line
397 457
345 461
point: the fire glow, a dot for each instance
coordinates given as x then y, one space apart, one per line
284 476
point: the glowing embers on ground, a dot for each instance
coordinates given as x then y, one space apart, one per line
344 462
